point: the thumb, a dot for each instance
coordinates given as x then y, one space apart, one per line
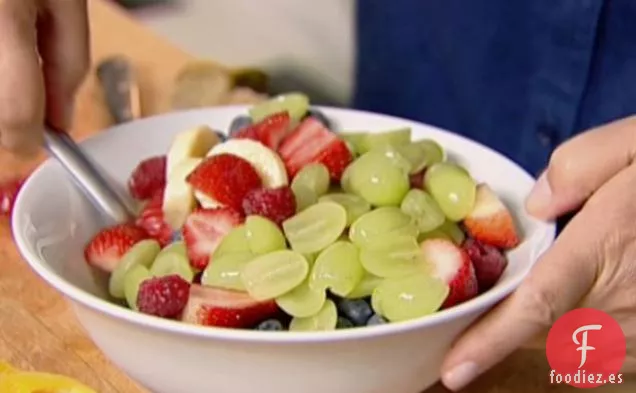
582 165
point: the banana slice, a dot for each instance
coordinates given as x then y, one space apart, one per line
266 162
206 202
194 143
178 198
35 382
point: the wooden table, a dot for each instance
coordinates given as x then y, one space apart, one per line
37 329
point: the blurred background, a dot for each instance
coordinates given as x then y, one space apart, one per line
299 44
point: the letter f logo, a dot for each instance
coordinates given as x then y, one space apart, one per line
583 344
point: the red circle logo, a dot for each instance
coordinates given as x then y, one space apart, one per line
586 348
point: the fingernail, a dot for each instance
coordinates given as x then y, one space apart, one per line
540 196
460 376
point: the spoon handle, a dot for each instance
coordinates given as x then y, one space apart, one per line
86 176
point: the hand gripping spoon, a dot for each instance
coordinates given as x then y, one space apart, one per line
87 176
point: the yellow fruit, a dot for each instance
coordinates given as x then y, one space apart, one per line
34 382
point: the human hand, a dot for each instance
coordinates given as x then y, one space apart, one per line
44 55
591 264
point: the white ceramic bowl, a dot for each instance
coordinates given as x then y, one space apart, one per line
52 222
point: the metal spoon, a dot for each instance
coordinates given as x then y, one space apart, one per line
87 176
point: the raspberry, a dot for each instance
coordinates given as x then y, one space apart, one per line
148 178
488 261
163 296
276 204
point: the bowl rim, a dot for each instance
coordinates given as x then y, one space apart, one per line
103 306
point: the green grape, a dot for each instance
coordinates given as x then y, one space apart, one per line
396 137
365 287
392 256
142 253
414 155
355 139
326 319
353 204
304 196
345 180
263 235
234 241
302 301
168 263
423 209
132 281
337 268
311 258
178 247
392 154
453 189
296 104
434 234
316 227
378 179
453 231
314 177
433 152
421 154
380 222
408 297
271 275
225 271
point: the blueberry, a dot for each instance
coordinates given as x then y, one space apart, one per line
344 323
376 320
222 136
239 123
270 325
357 310
177 236
321 117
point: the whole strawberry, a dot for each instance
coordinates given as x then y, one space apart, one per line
225 178
163 296
148 178
276 204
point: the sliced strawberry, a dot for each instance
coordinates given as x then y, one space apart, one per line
488 261
269 131
8 194
305 144
224 308
225 178
164 296
453 266
203 231
490 221
276 204
248 132
107 248
148 178
151 219
336 157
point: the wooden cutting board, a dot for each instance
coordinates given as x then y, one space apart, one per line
37 329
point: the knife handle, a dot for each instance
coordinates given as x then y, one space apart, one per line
117 79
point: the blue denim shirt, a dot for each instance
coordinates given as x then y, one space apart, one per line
520 76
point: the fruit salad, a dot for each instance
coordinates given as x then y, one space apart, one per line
287 224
